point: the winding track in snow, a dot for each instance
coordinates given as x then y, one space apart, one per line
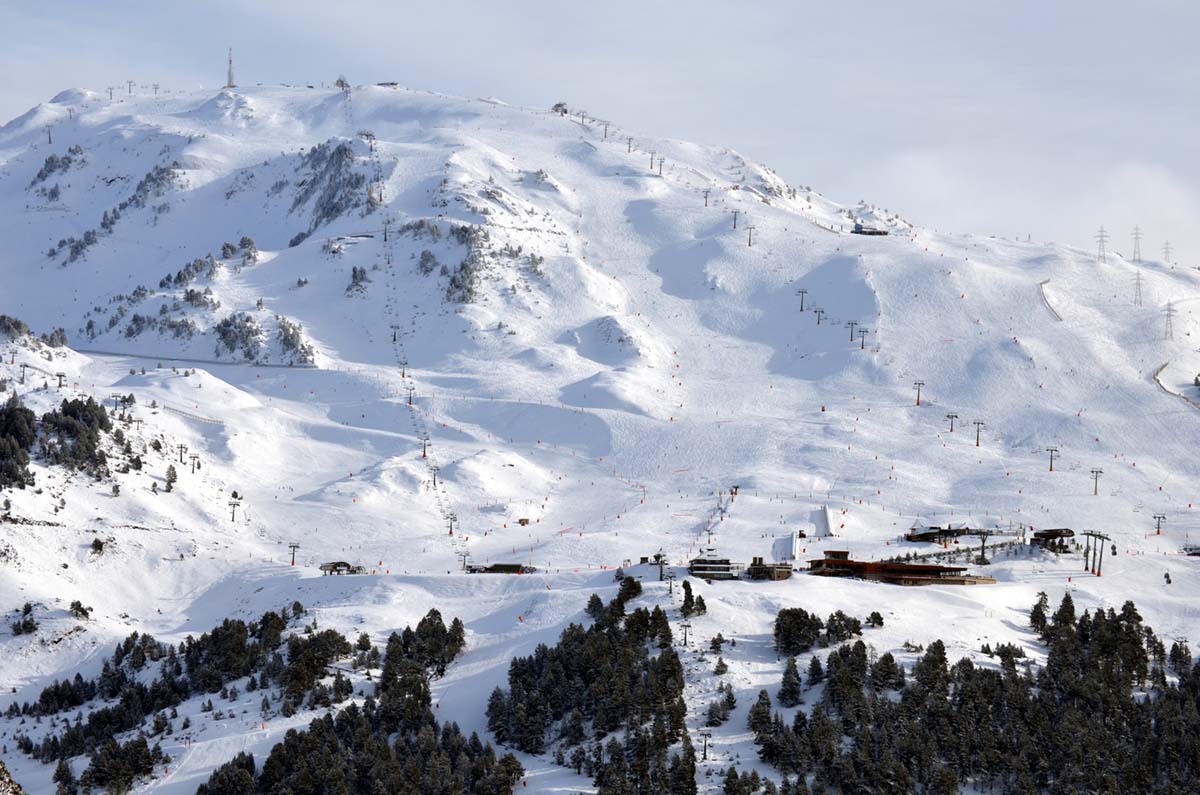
1042 292
1169 391
150 357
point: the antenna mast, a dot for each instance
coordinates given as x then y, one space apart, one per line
1101 239
229 80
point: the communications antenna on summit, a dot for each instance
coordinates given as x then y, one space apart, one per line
229 78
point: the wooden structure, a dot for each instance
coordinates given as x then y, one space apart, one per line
341 567
1054 538
837 563
859 229
936 535
501 568
940 535
757 570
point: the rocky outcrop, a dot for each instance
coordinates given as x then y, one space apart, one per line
7 785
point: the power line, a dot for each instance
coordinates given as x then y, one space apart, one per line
1101 240
1167 252
1137 245
1169 333
1137 288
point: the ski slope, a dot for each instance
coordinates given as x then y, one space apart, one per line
634 347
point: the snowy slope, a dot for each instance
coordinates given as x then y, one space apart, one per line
624 358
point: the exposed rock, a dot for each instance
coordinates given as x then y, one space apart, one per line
7 785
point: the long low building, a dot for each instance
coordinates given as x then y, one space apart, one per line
500 568
837 563
710 567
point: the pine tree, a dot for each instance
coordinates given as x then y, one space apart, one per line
172 476
497 715
573 732
689 601
816 674
733 786
945 782
1180 658
790 689
1064 616
759 718
683 770
1037 616
64 778
595 607
885 673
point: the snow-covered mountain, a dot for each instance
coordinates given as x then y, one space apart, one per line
599 334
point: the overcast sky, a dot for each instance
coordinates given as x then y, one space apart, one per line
1047 118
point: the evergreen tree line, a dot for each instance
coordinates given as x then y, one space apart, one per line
619 674
113 767
391 744
797 630
70 436
18 429
692 604
351 753
1111 711
230 651
636 764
